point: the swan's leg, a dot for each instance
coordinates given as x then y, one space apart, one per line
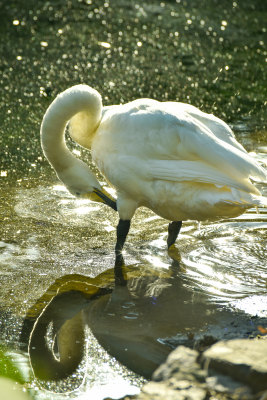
173 232
122 231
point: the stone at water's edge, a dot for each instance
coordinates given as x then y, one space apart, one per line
242 359
183 390
181 364
234 369
180 377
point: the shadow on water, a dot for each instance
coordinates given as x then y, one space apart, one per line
137 320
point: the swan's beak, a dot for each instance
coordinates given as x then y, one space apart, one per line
101 196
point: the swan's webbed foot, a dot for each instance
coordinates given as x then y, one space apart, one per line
173 232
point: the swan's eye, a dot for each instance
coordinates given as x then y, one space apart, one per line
77 193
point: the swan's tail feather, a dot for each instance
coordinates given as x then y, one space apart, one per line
234 208
251 201
196 171
260 201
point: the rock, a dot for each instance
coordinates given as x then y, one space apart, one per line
244 360
181 364
183 390
224 385
228 370
179 378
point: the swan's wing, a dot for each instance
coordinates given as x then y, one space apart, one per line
218 127
152 130
195 171
197 142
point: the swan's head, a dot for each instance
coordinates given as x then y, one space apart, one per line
81 182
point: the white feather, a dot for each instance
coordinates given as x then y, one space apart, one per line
170 157
196 171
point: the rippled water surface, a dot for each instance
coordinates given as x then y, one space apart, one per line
57 252
211 284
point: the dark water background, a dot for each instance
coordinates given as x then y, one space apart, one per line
211 54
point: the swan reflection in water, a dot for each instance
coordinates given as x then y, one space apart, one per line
138 316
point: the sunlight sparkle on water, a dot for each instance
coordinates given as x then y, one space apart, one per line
254 305
217 282
114 390
81 206
85 210
76 152
109 189
153 218
108 227
60 188
160 242
105 44
157 262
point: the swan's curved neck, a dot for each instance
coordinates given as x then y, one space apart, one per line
78 100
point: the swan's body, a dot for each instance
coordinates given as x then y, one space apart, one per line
170 157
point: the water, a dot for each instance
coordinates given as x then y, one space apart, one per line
216 277
214 283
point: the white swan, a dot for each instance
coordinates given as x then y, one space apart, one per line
167 156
